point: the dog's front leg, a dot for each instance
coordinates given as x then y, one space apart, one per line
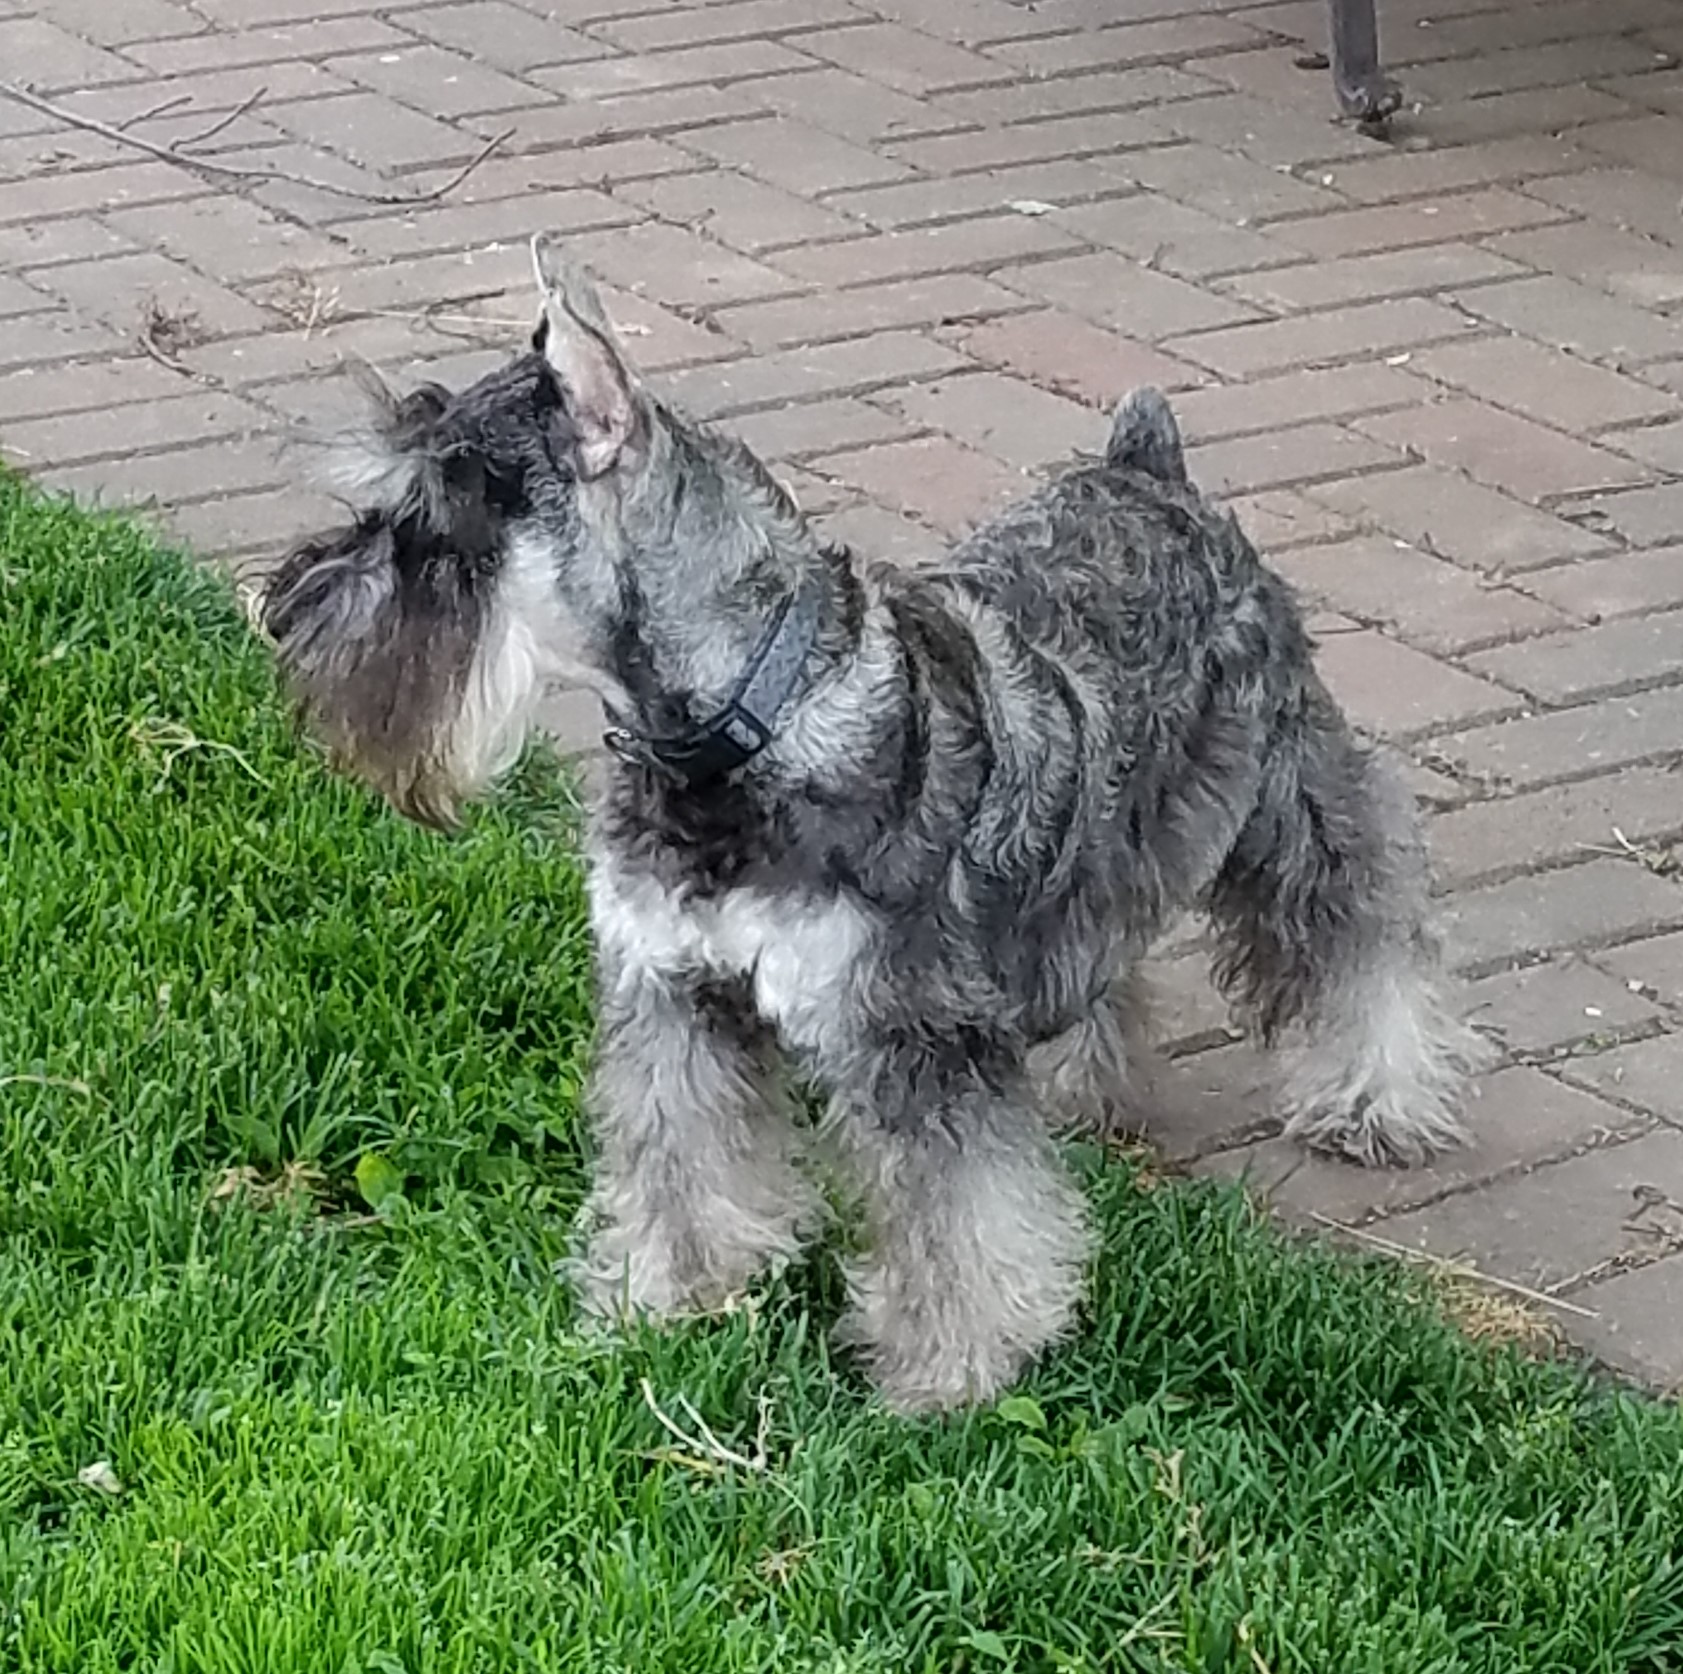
697 1187
977 1238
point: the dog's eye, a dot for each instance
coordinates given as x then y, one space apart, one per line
540 334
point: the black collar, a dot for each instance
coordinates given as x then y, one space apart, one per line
748 720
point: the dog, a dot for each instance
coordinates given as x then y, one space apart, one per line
906 834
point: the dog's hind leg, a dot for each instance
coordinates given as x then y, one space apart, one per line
697 1183
976 1238
1095 1078
1322 910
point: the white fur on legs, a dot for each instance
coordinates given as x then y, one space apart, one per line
698 1187
1375 1075
1095 1078
978 1246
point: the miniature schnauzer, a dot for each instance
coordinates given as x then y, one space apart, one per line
906 834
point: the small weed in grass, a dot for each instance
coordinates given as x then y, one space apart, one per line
288 1153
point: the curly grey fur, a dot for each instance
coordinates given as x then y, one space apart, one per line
1001 778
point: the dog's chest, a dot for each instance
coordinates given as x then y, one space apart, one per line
800 955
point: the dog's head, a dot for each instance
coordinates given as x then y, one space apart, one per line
552 519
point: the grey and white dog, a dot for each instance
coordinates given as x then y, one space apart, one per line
906 834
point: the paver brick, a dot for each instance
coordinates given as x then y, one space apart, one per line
1570 743
588 122
135 426
1603 588
937 300
1633 268
1282 458
173 479
1089 134
55 58
227 237
1392 689
1501 449
1460 520
1657 966
1176 38
676 267
1645 1073
1635 651
860 363
1424 271
121 291
1172 238
504 36
1460 217
1430 603
904 59
913 203
1644 516
1285 518
746 214
1221 184
736 20
1545 1007
982 244
819 427
452 228
31 392
217 50
1548 1227
1278 135
69 238
266 522
969 22
373 130
1554 64
82 191
1634 1323
1356 333
1647 141
794 156
1551 387
1601 901
1116 292
1619 197
1516 1119
1659 445
727 61
1433 173
1544 109
1509 834
1071 357
949 486
432 79
1147 85
1338 392
1574 317
877 533
847 105
1013 421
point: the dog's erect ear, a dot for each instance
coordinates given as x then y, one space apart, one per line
581 348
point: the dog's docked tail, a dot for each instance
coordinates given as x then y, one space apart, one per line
1145 437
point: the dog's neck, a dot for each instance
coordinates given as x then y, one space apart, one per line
712 597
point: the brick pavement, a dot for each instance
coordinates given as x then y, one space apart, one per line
912 249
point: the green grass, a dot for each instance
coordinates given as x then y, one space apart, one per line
349 1444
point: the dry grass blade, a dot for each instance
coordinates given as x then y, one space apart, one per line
1453 1269
704 1449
